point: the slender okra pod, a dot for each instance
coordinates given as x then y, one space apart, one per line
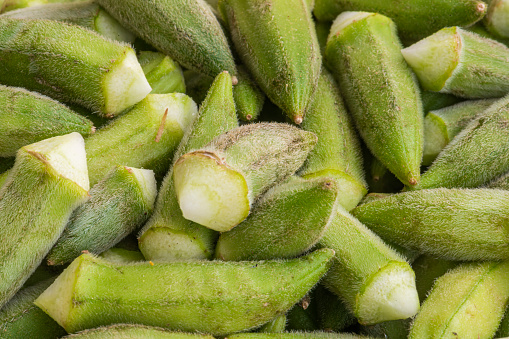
276 325
132 331
427 269
248 97
276 40
201 296
497 18
217 184
48 181
168 235
363 52
71 64
467 302
163 74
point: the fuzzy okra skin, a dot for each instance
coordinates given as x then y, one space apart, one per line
144 137
27 117
163 74
415 19
71 64
217 184
121 255
49 180
363 52
9 5
467 302
200 296
168 235
118 204
132 331
453 224
276 40
276 325
427 269
249 99
296 335
432 101
497 18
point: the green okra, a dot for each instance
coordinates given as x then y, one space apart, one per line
144 137
118 205
453 224
470 66
199 296
285 222
503 329
27 117
467 302
197 85
480 29
322 33
9 5
248 97
20 318
48 181
396 329
363 52
374 281
416 19
296 335
427 269
163 74
432 101
121 255
497 18
501 182
133 331
301 319
71 64
477 155
5 166
442 125
82 13
378 177
333 313
276 325
217 184
276 40
168 235
337 153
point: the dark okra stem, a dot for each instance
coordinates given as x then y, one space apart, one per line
133 331
163 74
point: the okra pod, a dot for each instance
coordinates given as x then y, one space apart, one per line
497 18
432 101
427 269
248 97
163 74
296 335
121 255
131 331
9 5
276 325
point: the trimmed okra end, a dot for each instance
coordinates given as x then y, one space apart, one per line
344 20
147 181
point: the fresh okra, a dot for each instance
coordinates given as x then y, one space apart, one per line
296 335
497 18
217 184
27 117
501 182
378 177
432 101
363 52
168 235
71 64
48 181
276 41
248 97
132 331
301 319
121 255
427 269
163 74
199 296
276 325
333 313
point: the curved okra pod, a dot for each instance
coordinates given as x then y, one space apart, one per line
71 64
276 41
168 235
163 74
132 331
200 296
467 302
497 18
446 223
363 52
217 184
49 180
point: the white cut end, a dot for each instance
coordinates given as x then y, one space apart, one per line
390 295
164 244
66 154
124 85
147 182
344 20
181 108
107 26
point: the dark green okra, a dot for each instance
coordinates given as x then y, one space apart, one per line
132 331
121 255
296 335
168 235
248 97
71 64
363 52
435 100
427 269
5 166
396 329
453 224
200 296
333 315
276 41
276 325
163 74
27 117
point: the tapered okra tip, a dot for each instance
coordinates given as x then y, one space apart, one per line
412 181
235 80
249 117
481 7
298 119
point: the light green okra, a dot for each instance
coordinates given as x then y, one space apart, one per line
27 117
427 269
71 64
363 52
9 5
276 325
285 222
200 296
470 66
168 235
248 97
132 331
225 177
480 29
144 137
497 18
453 224
118 205
416 19
121 255
163 74
276 40
296 335
432 101
82 13
333 313
5 166
49 180
467 302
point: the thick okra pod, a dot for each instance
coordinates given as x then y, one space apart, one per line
48 181
363 52
144 137
497 18
27 117
71 64
427 269
217 184
467 302
276 41
118 204
131 331
296 335
454 224
470 66
163 74
199 296
168 235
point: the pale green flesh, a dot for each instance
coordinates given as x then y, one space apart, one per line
166 244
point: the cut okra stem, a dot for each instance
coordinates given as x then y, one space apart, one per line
163 74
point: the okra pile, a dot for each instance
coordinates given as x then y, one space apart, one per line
254 169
